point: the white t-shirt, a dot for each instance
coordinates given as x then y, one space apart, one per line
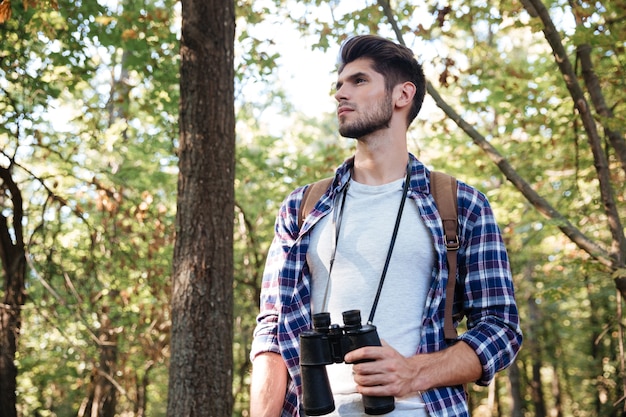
365 233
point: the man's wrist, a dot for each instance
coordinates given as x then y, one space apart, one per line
455 365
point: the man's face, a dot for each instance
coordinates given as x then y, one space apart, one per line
365 106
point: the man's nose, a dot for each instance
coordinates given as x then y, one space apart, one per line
341 93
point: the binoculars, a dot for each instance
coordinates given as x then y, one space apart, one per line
328 343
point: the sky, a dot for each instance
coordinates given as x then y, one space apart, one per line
308 75
305 74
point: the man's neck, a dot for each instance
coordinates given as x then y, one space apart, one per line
380 160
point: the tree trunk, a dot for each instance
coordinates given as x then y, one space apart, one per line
103 394
556 393
534 348
201 341
516 390
492 399
13 258
9 330
142 391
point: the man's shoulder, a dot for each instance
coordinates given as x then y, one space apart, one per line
470 195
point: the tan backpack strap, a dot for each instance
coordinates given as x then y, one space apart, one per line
311 196
444 190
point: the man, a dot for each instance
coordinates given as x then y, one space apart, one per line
334 263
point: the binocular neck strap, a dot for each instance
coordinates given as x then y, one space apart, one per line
337 222
405 192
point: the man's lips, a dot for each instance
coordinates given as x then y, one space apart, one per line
341 110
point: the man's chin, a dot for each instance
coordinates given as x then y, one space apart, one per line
350 133
359 134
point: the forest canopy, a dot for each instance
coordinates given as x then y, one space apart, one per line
525 100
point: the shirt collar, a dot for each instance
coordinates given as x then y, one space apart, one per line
419 175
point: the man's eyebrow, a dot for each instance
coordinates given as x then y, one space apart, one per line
351 77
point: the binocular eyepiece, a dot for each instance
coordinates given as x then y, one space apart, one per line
328 343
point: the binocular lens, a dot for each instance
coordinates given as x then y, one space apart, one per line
318 397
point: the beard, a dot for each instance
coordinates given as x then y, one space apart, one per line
379 117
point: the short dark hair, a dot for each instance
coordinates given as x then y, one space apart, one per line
395 62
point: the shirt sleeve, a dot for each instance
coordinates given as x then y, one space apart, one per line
489 303
265 338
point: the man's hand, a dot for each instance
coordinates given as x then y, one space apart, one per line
390 373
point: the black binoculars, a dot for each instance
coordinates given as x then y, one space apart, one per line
326 344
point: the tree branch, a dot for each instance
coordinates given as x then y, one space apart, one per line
573 233
618 249
592 83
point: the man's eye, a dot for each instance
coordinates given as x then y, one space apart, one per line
359 81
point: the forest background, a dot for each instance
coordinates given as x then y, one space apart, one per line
526 101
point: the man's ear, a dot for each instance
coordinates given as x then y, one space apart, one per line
406 92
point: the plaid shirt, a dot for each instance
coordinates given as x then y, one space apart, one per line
484 277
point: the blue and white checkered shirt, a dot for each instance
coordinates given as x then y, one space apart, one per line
484 278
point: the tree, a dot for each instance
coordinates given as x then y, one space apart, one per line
201 342
13 259
94 326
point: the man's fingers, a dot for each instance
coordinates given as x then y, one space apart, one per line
364 353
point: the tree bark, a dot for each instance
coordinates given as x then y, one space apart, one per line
596 95
201 340
13 258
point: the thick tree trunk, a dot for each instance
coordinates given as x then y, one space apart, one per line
201 340
9 330
13 258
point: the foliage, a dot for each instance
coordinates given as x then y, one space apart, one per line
96 164
88 126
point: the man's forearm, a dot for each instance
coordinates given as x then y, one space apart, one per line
268 385
456 365
390 373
